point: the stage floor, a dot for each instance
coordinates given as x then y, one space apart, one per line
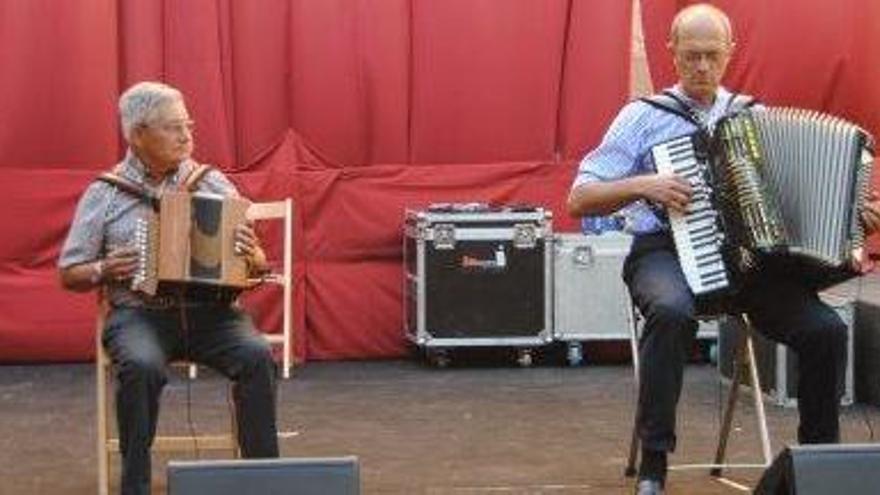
464 430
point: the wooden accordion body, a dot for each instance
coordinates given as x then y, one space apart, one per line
190 240
777 187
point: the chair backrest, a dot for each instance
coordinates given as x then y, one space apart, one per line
280 210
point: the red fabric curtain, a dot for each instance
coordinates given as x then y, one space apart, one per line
357 109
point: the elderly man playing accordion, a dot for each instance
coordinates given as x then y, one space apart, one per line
143 333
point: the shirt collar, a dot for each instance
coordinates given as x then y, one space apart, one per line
721 97
708 115
135 169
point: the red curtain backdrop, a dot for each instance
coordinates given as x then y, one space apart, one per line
357 109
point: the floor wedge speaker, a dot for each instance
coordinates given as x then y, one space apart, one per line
287 476
823 469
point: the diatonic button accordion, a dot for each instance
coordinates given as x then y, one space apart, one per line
190 240
776 186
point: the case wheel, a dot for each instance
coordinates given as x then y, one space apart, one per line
575 354
438 357
709 351
524 357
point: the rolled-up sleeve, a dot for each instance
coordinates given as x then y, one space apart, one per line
86 235
617 155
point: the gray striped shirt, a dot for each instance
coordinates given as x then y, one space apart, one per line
106 218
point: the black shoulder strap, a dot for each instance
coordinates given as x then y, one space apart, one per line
739 102
127 185
669 102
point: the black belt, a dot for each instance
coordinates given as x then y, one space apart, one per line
176 295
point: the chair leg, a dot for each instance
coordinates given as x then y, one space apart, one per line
757 396
634 439
733 394
102 415
633 453
233 420
743 361
288 286
103 464
285 346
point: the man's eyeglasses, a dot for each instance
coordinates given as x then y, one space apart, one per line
176 127
694 57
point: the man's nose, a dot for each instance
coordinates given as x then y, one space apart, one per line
703 63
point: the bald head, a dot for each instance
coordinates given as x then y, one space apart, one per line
701 19
701 42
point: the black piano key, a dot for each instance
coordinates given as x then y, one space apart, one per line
714 273
700 217
703 255
709 227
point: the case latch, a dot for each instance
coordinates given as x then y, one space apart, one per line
444 236
525 236
583 257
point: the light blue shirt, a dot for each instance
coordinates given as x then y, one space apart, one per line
625 151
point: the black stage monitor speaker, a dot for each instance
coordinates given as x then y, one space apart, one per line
823 469
300 476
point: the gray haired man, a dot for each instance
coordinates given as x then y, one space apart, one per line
143 333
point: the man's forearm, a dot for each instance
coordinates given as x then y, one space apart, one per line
604 198
82 277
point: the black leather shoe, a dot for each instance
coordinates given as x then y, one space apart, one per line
649 487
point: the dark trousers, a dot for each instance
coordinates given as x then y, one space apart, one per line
779 306
141 342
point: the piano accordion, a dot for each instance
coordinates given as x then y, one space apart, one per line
190 240
773 187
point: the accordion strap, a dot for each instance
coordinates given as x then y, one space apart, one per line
669 102
191 181
129 186
674 104
739 102
116 179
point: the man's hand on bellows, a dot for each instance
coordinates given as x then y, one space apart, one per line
120 263
871 213
670 190
246 242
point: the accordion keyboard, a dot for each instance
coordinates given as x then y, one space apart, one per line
696 231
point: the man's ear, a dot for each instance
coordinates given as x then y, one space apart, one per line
137 135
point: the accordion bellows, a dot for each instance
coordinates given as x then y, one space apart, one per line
191 240
773 186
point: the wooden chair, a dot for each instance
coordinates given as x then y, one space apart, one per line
743 364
